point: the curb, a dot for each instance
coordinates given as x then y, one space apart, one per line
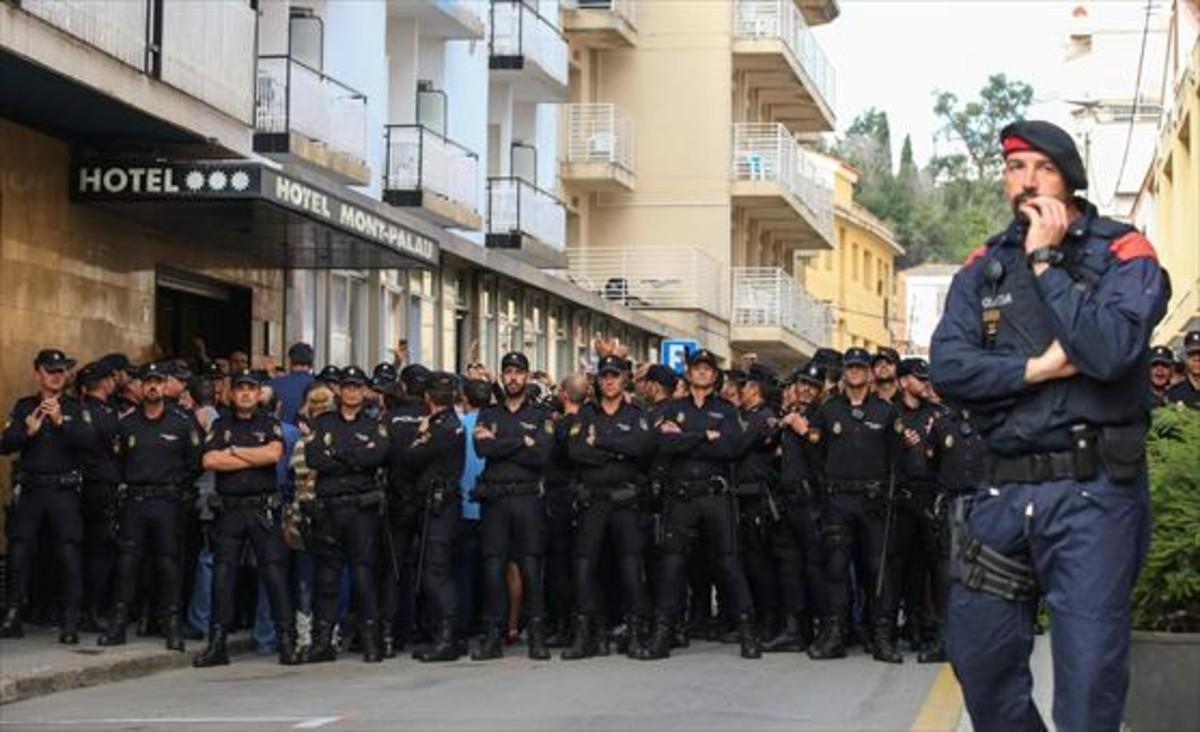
40 683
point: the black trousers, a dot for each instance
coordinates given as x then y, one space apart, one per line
98 504
921 551
514 527
46 508
232 529
622 526
396 554
800 559
757 527
711 519
560 530
345 533
468 568
855 520
149 527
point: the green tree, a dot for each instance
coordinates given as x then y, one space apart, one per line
976 124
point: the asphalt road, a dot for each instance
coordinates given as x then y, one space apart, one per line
705 687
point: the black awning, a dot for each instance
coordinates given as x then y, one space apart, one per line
254 214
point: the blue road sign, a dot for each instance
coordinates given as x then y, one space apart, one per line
675 352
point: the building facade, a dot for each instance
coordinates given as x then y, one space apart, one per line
921 293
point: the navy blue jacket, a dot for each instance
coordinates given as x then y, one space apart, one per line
1102 306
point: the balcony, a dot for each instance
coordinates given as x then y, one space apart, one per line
527 51
775 317
781 187
652 278
774 49
599 148
819 12
430 173
303 115
600 24
449 19
526 220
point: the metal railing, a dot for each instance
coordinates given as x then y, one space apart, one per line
783 21
418 158
291 96
624 9
117 28
598 133
768 152
516 206
656 278
519 30
769 296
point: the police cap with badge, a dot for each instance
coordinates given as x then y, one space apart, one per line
330 375
856 357
1191 342
810 373
703 355
662 375
1162 355
52 359
515 360
886 354
156 371
611 364
353 375
246 377
93 373
917 367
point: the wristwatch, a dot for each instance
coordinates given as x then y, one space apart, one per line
1052 256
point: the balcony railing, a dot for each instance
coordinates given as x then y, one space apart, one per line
519 31
768 152
519 208
418 159
781 20
204 48
624 9
770 297
598 133
293 97
656 278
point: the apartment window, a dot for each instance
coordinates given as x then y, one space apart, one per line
394 319
422 317
854 263
451 305
534 332
508 325
867 269
347 318
487 320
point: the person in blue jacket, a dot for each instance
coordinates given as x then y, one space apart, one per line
1044 338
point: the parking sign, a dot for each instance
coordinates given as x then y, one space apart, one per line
675 352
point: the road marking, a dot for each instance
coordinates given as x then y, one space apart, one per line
943 707
296 722
316 722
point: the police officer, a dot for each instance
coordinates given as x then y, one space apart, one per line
756 482
916 527
562 481
125 397
516 438
436 455
1188 391
884 366
1046 330
1162 367
160 459
856 431
101 474
47 432
346 448
701 434
330 376
608 442
244 450
796 540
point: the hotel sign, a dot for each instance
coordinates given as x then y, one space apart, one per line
130 182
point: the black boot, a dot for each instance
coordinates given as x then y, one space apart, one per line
831 643
582 645
659 645
92 621
935 650
10 627
788 639
631 637
600 636
388 640
118 618
372 644
68 635
286 644
640 629
681 634
492 644
216 654
748 637
560 633
147 623
173 629
445 645
536 634
885 643
322 649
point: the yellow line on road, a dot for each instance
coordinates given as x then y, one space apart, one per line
943 707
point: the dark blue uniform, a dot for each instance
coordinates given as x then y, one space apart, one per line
1065 492
101 474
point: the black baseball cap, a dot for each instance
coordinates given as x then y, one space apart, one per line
210 370
247 377
917 367
662 375
443 381
760 374
116 362
812 373
1162 354
354 375
703 355
415 373
611 365
330 374
93 372
1191 342
156 370
514 359
856 357
300 354
886 354
53 359
384 373
178 368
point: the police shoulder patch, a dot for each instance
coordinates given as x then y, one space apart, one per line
837 428
328 439
87 416
277 430
382 431
949 441
1132 246
210 436
576 429
899 426
194 436
132 441
549 427
680 417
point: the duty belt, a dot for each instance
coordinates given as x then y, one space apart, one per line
69 479
491 489
855 486
758 488
152 491
609 492
257 500
1039 467
363 500
687 489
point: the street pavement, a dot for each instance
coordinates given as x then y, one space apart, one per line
705 687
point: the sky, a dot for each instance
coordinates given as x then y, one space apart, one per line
894 55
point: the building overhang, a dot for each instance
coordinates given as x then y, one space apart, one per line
782 85
779 213
436 208
598 28
597 176
253 212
